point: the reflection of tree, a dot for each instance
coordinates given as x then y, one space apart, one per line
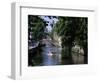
72 30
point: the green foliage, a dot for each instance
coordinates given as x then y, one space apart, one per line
36 27
72 29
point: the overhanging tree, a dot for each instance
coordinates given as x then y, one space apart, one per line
73 29
36 27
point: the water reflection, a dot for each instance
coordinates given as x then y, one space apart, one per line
51 55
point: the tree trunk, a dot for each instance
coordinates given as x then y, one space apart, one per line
85 55
70 54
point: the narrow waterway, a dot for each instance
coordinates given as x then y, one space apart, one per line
50 57
51 54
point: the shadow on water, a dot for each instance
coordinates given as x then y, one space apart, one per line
51 55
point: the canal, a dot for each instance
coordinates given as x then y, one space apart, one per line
51 54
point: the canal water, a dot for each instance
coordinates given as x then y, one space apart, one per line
54 55
51 55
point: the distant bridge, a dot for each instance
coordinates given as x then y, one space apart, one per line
33 45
